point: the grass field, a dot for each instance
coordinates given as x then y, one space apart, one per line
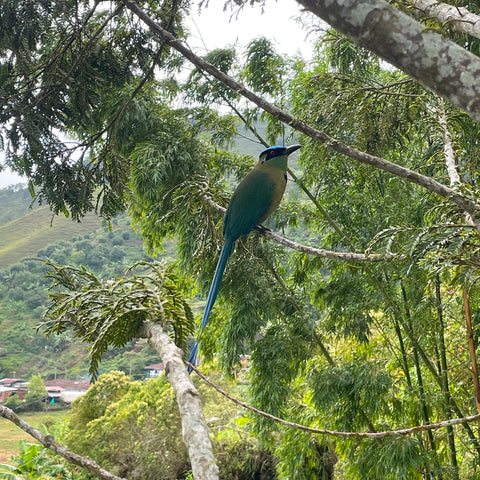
10 434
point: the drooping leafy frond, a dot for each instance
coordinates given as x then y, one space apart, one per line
110 313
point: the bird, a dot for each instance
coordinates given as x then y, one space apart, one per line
254 199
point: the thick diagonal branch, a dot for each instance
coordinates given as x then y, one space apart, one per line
458 19
433 60
194 427
49 442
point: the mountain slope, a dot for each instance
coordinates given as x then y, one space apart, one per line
24 236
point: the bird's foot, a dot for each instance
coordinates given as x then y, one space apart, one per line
262 228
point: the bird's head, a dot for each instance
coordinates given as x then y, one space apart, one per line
277 151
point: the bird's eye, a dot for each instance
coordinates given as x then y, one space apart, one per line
270 154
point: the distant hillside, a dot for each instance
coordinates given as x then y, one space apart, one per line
27 233
15 202
25 230
24 236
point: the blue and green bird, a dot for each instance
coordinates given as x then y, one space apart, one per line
255 198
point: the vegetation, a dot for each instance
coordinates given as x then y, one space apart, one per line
24 289
11 435
376 331
117 423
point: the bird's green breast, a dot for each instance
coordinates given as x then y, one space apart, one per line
255 198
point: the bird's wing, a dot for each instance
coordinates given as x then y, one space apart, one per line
250 202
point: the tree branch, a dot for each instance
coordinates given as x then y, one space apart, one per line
433 60
319 252
194 427
466 204
450 160
458 19
49 442
333 433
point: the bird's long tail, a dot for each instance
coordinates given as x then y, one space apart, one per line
212 294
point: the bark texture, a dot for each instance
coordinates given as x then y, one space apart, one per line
458 19
434 61
194 427
49 442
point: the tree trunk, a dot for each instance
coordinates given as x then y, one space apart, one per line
194 427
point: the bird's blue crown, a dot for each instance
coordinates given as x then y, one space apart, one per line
275 146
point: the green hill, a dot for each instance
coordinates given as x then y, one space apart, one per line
24 236
25 228
27 233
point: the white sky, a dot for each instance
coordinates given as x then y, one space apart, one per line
217 28
276 20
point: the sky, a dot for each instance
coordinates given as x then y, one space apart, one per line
213 27
275 20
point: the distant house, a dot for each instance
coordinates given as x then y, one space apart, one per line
59 390
66 391
12 386
155 370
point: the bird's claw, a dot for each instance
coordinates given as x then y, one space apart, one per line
262 228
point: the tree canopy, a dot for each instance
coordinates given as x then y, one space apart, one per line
363 314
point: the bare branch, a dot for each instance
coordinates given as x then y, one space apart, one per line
448 150
49 442
458 19
194 427
334 433
319 252
450 160
466 204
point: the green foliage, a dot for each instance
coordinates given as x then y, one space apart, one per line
134 429
357 389
93 59
13 402
111 313
172 155
264 68
265 72
298 448
390 458
351 345
203 89
109 388
35 461
36 393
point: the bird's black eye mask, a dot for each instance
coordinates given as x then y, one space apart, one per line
270 153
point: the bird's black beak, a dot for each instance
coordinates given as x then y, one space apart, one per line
291 149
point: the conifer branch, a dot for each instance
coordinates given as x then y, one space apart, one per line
334 433
49 442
